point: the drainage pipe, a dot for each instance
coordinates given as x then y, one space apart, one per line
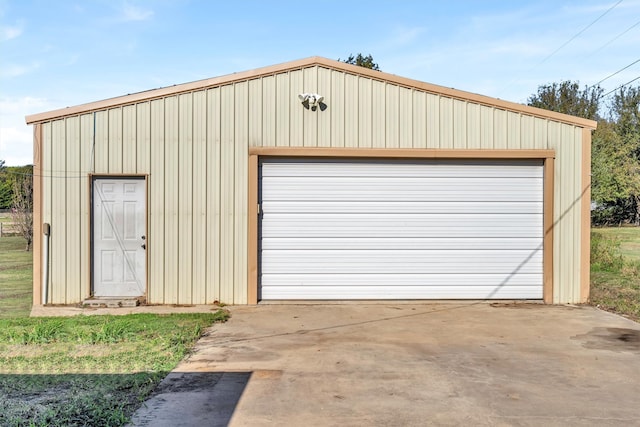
46 229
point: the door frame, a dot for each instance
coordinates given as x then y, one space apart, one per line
90 260
253 245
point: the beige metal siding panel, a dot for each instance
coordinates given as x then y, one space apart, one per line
419 121
364 113
392 121
324 119
487 126
513 130
58 265
115 140
255 113
227 192
351 107
241 155
309 117
405 119
129 139
379 111
541 140
296 111
446 123
101 149
143 137
500 135
527 133
86 152
213 195
474 126
559 271
200 226
337 109
269 111
433 121
47 181
459 124
185 198
283 103
72 209
171 200
155 238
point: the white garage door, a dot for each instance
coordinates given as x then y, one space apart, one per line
334 229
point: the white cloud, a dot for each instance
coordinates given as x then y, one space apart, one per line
8 32
16 137
135 13
16 70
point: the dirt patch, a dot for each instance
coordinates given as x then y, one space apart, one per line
614 339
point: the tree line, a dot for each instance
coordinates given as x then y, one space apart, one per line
615 150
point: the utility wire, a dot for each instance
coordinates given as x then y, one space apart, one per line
620 87
611 75
578 33
614 39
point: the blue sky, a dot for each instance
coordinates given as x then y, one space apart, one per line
60 53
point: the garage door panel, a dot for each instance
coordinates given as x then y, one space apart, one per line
407 207
407 279
423 168
394 242
328 292
402 261
387 189
396 229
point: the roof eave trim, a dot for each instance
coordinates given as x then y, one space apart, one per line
299 64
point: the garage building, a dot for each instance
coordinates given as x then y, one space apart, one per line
310 180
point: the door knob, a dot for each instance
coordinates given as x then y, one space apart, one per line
143 246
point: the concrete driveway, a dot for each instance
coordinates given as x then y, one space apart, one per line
407 364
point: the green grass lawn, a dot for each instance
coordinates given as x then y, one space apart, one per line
615 270
82 370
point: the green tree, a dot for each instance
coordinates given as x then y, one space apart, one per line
22 202
5 188
362 61
566 97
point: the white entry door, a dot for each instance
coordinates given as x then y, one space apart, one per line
119 240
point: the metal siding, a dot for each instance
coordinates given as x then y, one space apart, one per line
324 119
283 102
185 199
365 108
156 236
227 192
433 121
58 265
269 112
419 111
337 109
513 130
101 150
213 195
255 113
72 208
473 126
405 131
379 108
446 123
86 159
129 139
200 225
500 134
47 158
329 242
351 108
241 156
460 123
296 112
309 117
143 137
486 127
115 141
171 200
392 119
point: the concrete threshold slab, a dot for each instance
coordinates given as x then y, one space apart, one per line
66 311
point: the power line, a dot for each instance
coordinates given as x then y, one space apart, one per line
620 87
578 33
614 39
611 75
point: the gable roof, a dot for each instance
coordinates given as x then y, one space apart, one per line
305 63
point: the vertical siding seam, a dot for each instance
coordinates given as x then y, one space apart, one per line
193 213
